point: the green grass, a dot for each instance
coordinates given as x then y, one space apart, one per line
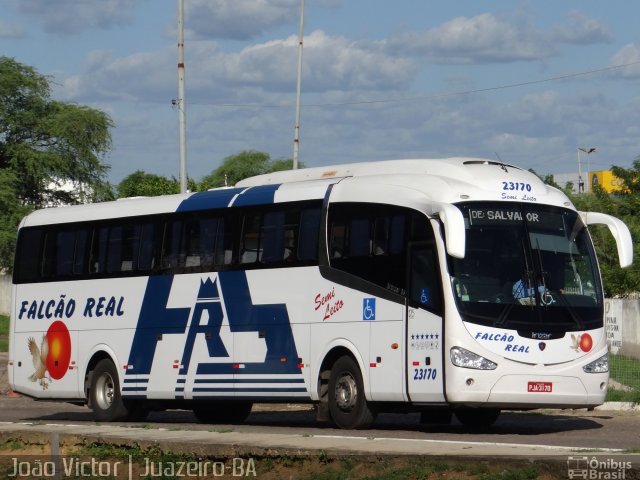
312 467
626 371
4 333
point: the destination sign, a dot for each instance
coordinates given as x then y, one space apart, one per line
497 216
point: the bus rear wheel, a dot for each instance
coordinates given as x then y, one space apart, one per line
105 398
347 403
222 412
477 417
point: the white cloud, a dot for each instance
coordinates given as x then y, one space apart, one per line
213 75
140 76
630 53
490 38
480 39
237 19
330 63
582 30
11 30
73 16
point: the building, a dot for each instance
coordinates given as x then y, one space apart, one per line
605 178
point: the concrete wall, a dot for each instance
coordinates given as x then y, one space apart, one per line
622 320
5 294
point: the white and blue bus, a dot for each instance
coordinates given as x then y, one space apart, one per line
461 286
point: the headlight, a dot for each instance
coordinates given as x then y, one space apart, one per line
600 365
466 359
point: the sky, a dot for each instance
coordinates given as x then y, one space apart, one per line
526 82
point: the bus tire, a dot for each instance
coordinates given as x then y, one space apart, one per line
105 396
477 417
347 403
137 411
222 412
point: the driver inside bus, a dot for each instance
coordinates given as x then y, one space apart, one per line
524 292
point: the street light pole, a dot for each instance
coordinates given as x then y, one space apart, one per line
180 101
588 151
296 132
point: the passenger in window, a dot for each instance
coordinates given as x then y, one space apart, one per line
289 246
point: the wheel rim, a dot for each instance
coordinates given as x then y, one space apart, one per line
346 392
105 390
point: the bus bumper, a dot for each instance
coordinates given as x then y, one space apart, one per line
534 391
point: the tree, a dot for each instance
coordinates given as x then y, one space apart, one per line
145 184
11 212
624 205
45 144
245 164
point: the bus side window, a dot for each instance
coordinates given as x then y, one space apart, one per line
308 234
171 245
338 239
190 244
98 253
224 254
49 255
250 243
146 248
423 278
369 241
279 237
28 264
65 248
80 258
114 249
208 236
272 237
59 253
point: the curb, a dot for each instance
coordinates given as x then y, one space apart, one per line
619 407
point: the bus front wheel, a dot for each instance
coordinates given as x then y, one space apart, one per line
105 398
347 404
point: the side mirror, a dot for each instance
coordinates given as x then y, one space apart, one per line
619 231
454 231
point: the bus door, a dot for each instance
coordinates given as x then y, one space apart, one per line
424 316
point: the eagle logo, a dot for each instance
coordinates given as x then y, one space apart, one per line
582 342
39 357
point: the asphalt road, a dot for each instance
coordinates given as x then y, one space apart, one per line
618 430
596 430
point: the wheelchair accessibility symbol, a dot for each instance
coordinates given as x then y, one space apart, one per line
424 296
369 309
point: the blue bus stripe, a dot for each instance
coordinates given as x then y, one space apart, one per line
257 389
249 380
208 200
261 195
221 198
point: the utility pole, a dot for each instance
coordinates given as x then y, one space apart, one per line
296 131
180 102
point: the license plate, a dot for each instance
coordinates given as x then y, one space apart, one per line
540 387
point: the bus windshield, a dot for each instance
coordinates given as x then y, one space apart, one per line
527 267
